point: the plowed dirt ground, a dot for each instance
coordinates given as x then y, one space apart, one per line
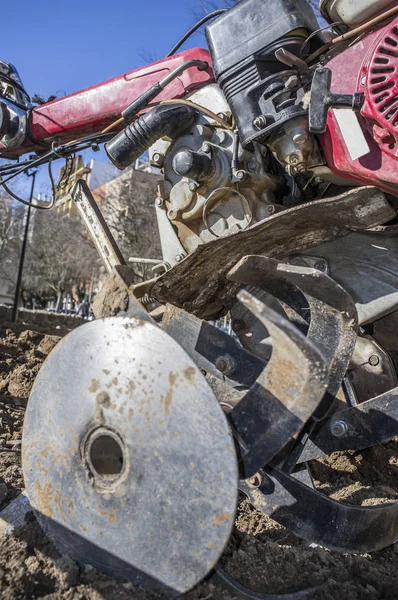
261 554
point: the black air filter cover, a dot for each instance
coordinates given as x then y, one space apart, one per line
242 43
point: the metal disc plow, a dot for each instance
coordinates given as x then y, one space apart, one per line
138 436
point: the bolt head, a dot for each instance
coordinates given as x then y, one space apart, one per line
300 137
294 159
159 202
206 147
320 265
240 175
180 257
374 360
256 481
252 165
193 186
339 428
157 160
225 364
260 122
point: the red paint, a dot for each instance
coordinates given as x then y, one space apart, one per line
91 110
353 71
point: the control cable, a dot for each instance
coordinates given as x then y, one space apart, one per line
199 24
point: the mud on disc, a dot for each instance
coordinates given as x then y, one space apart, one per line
127 456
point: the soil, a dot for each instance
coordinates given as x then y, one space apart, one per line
261 554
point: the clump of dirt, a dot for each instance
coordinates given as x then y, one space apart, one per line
261 554
21 356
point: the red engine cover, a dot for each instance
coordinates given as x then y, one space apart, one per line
369 66
381 94
91 110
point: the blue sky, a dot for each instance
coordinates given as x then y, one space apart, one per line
70 45
62 47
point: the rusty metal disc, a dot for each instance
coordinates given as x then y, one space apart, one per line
127 456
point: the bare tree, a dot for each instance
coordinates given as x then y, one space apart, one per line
128 207
60 256
11 226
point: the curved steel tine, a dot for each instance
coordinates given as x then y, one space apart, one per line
285 394
333 316
221 578
320 519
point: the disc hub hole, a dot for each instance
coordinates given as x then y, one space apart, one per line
106 456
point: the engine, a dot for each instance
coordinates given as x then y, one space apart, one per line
222 179
292 131
212 185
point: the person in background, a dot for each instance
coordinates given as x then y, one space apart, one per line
85 308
